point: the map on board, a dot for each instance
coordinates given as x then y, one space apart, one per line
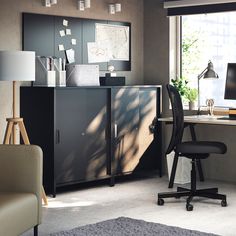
112 43
98 53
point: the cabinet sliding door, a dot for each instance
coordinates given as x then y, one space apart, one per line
125 127
70 136
80 144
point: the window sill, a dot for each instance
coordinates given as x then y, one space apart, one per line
217 110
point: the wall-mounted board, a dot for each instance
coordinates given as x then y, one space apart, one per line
53 35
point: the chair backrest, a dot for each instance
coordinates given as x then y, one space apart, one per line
178 118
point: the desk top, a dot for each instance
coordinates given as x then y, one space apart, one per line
203 119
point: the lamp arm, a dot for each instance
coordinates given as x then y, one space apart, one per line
198 96
202 73
198 89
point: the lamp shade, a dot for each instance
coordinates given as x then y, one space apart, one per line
210 73
17 66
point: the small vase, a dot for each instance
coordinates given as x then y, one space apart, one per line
192 106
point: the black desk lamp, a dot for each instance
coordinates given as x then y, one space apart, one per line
207 73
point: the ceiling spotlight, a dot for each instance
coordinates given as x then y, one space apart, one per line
118 7
114 8
53 2
82 4
48 3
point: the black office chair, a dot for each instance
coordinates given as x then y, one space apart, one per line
193 150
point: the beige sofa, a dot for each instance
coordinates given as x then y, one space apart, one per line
20 189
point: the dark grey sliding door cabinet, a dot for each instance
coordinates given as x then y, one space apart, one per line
92 133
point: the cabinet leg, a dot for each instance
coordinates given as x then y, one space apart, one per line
54 191
112 181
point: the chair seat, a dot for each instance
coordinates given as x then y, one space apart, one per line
200 148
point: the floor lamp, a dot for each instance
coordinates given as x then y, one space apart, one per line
17 66
207 73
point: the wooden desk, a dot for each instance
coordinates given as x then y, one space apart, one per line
191 121
202 119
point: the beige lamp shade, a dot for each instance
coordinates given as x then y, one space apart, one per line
17 66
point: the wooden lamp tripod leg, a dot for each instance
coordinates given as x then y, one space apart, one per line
11 122
8 133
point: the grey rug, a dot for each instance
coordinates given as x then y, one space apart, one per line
123 226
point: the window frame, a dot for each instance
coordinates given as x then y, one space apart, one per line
176 58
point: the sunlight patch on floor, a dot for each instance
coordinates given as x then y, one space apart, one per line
54 203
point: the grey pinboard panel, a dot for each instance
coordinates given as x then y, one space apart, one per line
38 34
41 34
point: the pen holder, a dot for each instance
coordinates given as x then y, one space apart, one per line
61 78
44 77
47 79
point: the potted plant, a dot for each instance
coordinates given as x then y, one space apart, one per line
181 84
191 95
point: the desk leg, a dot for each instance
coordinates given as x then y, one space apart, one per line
199 164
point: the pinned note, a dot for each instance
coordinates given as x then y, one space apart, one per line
62 33
61 47
73 41
68 31
70 54
65 22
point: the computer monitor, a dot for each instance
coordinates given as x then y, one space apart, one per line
230 84
230 87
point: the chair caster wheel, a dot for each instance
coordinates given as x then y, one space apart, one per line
223 203
189 207
160 202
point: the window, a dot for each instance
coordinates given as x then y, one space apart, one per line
207 37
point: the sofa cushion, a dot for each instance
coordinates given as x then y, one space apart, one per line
18 212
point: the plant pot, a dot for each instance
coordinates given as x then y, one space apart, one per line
192 106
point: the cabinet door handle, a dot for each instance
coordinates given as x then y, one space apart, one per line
57 136
115 130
